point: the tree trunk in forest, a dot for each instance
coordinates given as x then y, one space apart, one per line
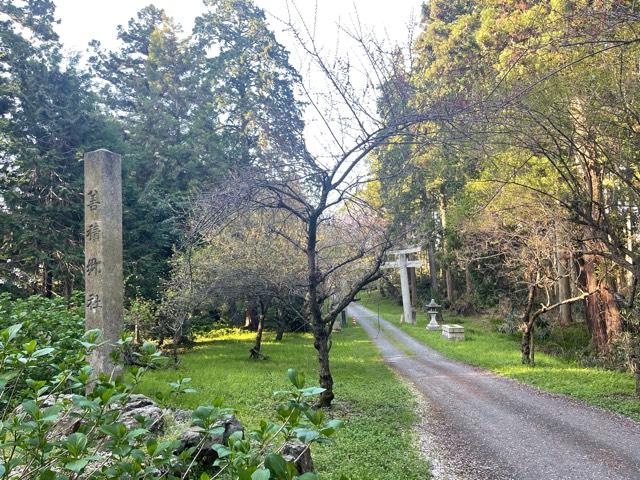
68 290
322 345
630 245
528 325
47 281
281 325
251 319
448 274
137 338
602 313
451 292
603 316
321 327
634 361
468 281
433 269
235 314
255 351
564 287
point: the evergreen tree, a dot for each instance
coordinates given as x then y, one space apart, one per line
194 107
48 121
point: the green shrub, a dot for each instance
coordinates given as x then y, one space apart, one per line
55 427
50 323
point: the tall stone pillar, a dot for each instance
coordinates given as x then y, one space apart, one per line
404 286
104 287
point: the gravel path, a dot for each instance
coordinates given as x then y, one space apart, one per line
483 427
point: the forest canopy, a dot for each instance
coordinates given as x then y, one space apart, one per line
503 141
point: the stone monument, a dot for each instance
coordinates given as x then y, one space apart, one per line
104 288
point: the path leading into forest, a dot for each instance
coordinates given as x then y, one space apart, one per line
480 426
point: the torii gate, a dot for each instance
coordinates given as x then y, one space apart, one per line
403 264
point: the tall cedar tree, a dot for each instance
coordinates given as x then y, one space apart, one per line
194 108
47 121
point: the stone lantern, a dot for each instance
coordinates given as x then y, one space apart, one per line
432 310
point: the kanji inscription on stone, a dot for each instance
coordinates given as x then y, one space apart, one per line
93 267
93 232
104 289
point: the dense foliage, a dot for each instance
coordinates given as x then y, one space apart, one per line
183 109
530 189
62 422
48 326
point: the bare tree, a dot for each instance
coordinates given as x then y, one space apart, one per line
523 229
242 262
320 196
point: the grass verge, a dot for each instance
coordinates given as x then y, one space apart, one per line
377 441
500 353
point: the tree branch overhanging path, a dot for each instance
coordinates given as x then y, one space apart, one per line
319 206
319 200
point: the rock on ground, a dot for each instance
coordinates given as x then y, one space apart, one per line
298 453
142 406
195 437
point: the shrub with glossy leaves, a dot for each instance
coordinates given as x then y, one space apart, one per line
49 329
59 428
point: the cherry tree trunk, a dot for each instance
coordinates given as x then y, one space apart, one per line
526 345
321 326
527 329
281 325
321 344
255 351
564 287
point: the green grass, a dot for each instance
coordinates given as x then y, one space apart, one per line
500 353
377 441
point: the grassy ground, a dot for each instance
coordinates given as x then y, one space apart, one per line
377 441
500 353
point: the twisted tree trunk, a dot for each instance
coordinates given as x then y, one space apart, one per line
255 352
529 320
281 325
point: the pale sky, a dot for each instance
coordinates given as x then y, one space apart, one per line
84 20
390 20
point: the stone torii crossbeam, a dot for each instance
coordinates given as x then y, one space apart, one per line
403 263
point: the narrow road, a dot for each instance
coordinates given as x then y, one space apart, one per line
490 428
